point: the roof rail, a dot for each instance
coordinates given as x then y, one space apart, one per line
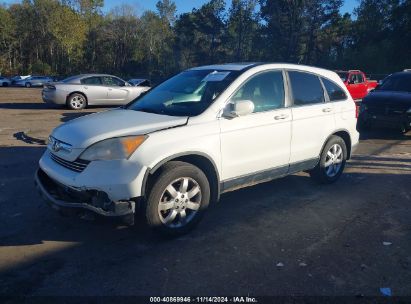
354 71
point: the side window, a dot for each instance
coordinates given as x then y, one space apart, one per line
360 78
91 81
112 81
306 88
353 78
334 91
265 90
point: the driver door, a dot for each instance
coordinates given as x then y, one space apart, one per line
257 146
118 92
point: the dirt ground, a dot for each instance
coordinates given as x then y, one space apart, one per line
350 238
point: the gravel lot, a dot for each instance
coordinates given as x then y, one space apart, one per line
329 239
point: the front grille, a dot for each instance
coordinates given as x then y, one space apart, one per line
385 110
376 110
78 165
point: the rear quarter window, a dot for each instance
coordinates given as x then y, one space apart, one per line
334 91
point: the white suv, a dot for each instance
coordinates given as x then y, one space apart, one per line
201 133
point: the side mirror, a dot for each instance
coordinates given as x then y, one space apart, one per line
239 108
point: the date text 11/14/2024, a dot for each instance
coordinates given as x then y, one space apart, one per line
203 300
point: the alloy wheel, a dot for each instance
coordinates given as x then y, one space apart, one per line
333 160
179 202
77 102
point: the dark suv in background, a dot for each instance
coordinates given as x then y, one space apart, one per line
389 105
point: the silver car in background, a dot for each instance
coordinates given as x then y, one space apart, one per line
33 81
4 82
77 92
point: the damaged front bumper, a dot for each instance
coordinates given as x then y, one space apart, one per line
64 198
388 120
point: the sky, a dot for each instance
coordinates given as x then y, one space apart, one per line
183 6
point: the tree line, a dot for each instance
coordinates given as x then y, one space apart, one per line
65 37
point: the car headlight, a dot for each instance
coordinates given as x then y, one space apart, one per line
113 148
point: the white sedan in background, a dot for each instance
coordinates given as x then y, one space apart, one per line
78 92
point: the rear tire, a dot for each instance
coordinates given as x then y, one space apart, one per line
28 85
178 199
332 161
5 84
76 101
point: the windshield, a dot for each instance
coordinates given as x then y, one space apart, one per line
186 94
401 83
343 76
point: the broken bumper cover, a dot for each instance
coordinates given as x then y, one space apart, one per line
63 198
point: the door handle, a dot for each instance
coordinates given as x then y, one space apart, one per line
86 87
327 110
279 117
110 89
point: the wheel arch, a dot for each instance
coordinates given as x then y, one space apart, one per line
76 92
198 159
345 135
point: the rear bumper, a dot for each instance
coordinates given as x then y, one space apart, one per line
56 97
65 198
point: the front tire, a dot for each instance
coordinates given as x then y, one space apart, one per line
76 101
5 84
178 199
28 85
404 128
332 161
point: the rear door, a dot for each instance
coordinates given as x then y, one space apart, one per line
313 118
95 91
118 92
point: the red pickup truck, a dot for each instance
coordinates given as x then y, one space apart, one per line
357 83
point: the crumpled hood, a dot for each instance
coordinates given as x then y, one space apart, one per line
87 130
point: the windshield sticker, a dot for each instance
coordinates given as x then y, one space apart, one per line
216 76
